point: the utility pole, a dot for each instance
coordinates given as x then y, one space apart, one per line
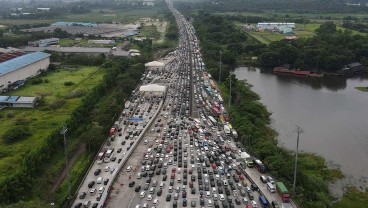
230 92
220 67
63 132
299 130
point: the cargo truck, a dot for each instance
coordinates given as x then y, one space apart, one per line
283 192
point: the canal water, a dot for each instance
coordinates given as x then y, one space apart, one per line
333 114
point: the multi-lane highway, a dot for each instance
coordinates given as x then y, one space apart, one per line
175 152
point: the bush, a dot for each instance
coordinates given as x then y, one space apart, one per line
76 94
37 81
15 134
9 114
68 83
57 104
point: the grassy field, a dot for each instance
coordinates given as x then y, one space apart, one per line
155 29
123 16
363 89
42 121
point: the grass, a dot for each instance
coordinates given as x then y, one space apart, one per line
42 121
266 37
124 16
363 89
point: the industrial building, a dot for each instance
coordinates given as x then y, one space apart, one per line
21 68
153 89
80 50
17 102
44 42
106 42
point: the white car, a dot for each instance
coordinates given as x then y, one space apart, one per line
129 168
155 202
149 197
222 198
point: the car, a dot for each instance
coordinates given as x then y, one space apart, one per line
78 205
237 201
97 172
159 192
253 203
131 184
106 181
201 202
168 197
164 178
119 150
146 186
275 204
155 202
137 189
82 195
193 203
129 168
149 197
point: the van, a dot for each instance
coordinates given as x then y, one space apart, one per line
99 180
263 179
142 194
101 189
270 187
263 201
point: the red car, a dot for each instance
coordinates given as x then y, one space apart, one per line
173 170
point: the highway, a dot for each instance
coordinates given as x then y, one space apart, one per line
171 154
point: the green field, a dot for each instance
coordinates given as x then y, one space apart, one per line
42 120
123 16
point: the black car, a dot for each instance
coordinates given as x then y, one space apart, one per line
184 202
106 181
159 192
79 205
201 202
119 160
254 187
90 184
137 189
237 201
97 172
123 142
184 194
119 150
113 159
164 177
131 184
99 197
168 197
95 205
193 191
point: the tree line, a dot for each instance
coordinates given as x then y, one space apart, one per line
329 50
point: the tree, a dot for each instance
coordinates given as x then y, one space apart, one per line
93 135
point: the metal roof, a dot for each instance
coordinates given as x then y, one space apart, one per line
3 98
21 61
13 98
26 99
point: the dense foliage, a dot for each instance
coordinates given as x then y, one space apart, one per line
330 50
218 34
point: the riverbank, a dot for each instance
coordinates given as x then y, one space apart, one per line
363 89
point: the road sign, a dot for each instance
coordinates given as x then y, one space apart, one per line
135 119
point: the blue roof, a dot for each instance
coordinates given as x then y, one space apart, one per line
13 98
21 61
3 98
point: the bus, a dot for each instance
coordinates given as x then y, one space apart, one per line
212 119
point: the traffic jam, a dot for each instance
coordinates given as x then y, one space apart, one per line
178 149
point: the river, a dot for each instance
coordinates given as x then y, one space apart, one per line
333 114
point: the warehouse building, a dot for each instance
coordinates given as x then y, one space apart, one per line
44 42
17 102
21 68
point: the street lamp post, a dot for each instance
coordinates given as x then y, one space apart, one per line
63 132
230 92
299 130
220 67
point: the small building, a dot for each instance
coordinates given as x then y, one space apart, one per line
153 89
353 68
22 68
148 2
43 9
17 102
44 42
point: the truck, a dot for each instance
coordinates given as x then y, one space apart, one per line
227 130
248 159
100 156
235 134
283 192
259 165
